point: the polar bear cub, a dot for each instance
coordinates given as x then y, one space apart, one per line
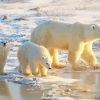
34 59
4 48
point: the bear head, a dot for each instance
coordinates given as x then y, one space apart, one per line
46 61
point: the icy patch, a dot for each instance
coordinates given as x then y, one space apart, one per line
25 81
51 79
10 75
57 98
25 1
31 80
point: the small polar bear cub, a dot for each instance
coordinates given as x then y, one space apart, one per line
4 48
33 59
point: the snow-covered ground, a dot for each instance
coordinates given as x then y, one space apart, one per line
24 15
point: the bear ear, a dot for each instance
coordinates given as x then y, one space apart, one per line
43 57
93 27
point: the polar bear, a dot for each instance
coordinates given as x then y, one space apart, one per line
34 59
77 38
4 48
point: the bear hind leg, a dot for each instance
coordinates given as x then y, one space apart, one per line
75 55
1 69
90 57
2 65
25 69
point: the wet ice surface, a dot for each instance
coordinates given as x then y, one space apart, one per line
76 85
64 84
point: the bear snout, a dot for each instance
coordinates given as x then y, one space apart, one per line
50 68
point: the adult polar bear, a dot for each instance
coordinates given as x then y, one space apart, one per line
77 38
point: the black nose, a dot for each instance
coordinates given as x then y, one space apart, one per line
50 68
4 44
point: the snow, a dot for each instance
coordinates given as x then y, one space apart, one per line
23 16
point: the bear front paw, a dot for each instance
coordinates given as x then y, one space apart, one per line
43 75
58 66
96 66
79 68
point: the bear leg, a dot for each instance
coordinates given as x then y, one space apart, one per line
43 71
1 70
89 56
34 68
56 63
26 69
19 69
74 56
2 65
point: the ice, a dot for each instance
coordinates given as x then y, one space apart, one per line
23 16
56 79
58 98
29 80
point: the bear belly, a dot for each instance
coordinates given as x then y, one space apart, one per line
57 45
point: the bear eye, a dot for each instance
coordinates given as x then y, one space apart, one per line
43 57
47 63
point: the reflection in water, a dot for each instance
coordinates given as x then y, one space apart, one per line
87 88
76 75
28 94
90 83
91 78
98 87
4 91
12 91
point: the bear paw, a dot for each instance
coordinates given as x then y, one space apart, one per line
43 75
28 74
79 68
59 66
36 73
97 66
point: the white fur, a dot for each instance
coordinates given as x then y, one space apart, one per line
3 55
34 59
77 38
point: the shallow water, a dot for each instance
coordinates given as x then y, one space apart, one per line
22 19
11 91
88 88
